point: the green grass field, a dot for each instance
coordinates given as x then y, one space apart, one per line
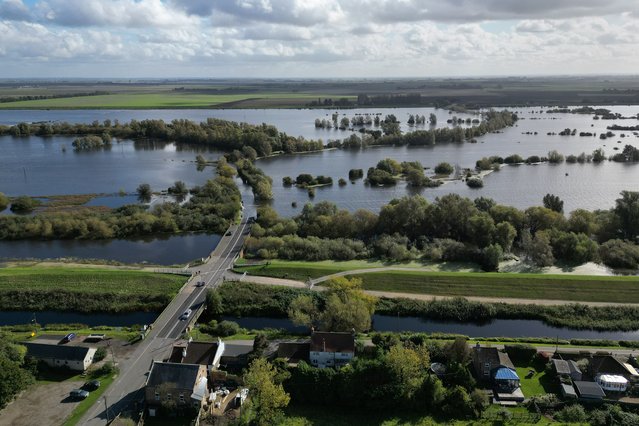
460 280
167 99
89 280
299 270
578 288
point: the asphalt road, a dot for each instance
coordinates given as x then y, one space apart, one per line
129 386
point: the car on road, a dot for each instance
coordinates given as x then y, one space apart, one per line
200 284
68 338
78 394
228 234
92 385
186 314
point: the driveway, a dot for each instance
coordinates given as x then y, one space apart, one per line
41 404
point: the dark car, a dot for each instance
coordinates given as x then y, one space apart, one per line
92 385
78 394
68 338
228 234
200 284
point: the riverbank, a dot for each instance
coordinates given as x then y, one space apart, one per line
84 290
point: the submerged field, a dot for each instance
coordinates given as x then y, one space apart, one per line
85 289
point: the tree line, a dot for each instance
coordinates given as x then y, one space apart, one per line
452 228
211 208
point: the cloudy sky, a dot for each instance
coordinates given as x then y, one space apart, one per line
317 38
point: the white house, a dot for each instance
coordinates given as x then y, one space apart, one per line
77 358
330 349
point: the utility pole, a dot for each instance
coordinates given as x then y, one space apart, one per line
106 409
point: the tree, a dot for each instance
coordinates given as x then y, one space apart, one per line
4 201
144 192
457 403
598 155
13 379
619 254
179 188
538 249
303 311
444 169
214 304
432 119
553 203
267 397
408 367
627 211
505 234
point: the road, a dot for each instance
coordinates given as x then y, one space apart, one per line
129 386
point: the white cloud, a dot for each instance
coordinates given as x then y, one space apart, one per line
358 38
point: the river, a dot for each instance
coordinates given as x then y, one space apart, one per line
495 328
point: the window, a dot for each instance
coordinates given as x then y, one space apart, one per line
169 397
181 398
486 369
157 395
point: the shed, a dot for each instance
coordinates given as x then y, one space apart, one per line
589 390
568 391
77 358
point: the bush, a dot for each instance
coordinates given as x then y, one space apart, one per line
107 369
572 414
619 254
24 204
221 329
475 182
444 169
533 159
520 352
355 174
4 201
100 354
513 159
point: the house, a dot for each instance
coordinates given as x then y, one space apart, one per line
589 391
567 369
608 364
201 353
294 352
185 385
331 349
76 358
495 366
611 383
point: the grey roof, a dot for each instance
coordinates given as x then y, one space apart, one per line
201 353
43 351
326 341
493 356
565 367
183 376
568 390
589 389
232 350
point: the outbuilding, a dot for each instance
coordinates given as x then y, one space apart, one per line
589 391
612 383
77 358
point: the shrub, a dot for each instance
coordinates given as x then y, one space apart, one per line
4 201
619 254
572 414
100 354
533 159
521 352
513 159
444 169
475 182
24 204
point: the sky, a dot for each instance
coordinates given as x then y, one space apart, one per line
316 38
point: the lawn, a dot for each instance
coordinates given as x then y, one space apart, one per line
166 99
89 280
94 396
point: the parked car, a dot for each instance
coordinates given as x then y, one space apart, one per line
92 385
186 314
68 338
78 394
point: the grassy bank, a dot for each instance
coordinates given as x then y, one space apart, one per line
460 279
85 289
300 270
578 288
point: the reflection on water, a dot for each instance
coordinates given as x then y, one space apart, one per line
160 250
